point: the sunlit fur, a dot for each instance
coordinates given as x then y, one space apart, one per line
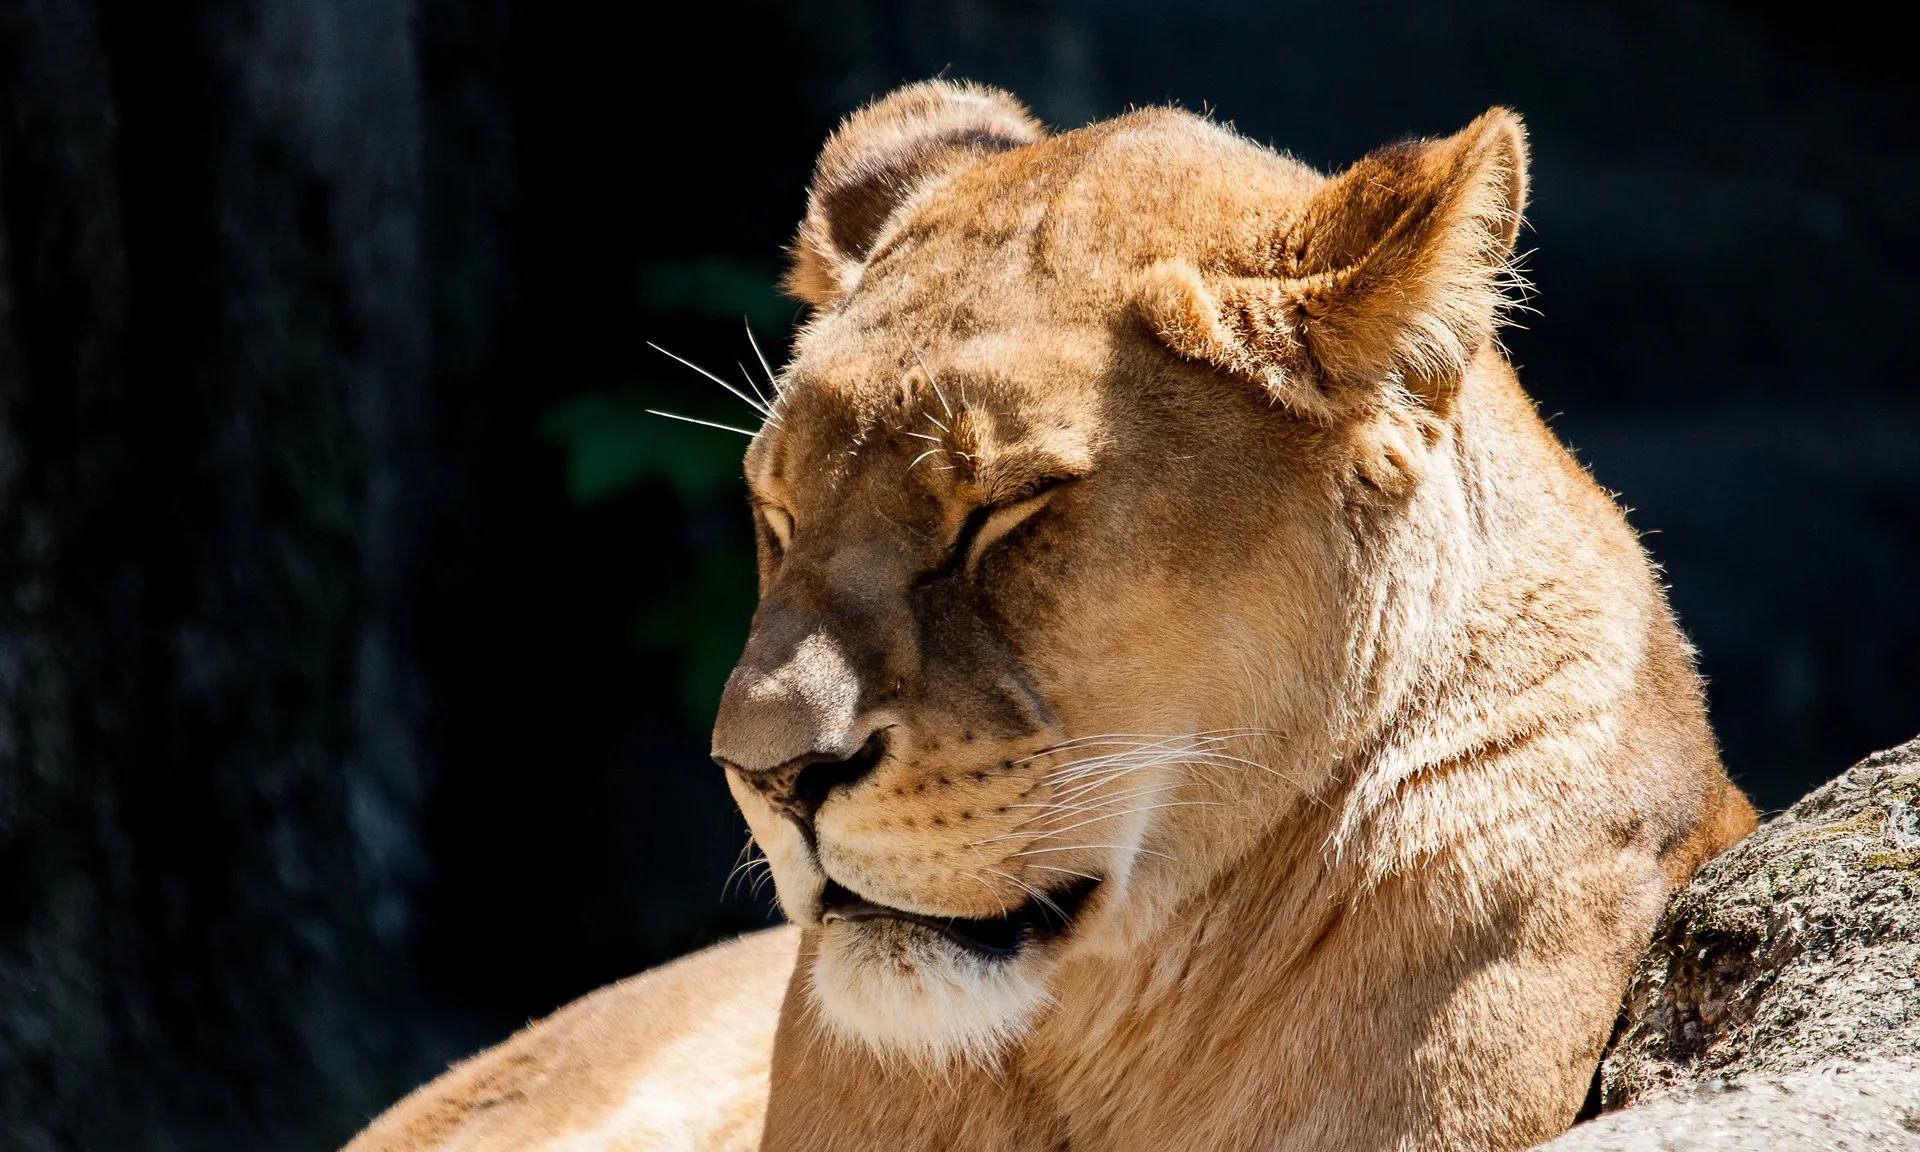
912 995
1287 620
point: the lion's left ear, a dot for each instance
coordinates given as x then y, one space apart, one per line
1391 278
878 159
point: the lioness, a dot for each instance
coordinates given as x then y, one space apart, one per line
1194 702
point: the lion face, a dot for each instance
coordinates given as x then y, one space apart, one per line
1054 534
987 680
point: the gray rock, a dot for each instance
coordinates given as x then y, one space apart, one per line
1777 1006
1837 1107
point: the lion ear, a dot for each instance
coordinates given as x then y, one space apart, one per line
1390 279
880 157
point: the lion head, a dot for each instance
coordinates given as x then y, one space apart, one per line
1105 507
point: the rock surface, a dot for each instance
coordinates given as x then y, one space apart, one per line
1844 1106
1777 1006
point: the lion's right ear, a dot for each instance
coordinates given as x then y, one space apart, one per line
1391 277
877 159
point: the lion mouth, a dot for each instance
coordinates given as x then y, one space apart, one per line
1039 919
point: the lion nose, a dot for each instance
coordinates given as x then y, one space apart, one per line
802 784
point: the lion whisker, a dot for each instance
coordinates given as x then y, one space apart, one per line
1062 811
759 869
1221 759
1155 738
1085 786
1090 787
1133 812
1089 848
1064 802
1142 741
1241 730
761 356
1089 775
936 383
705 423
1134 751
766 412
1071 809
741 863
1064 871
1082 745
766 405
1133 758
760 879
997 899
1196 754
1030 890
1066 805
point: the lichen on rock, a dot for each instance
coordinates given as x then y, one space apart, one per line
1799 946
1788 964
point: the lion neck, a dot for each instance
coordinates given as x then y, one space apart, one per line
1477 621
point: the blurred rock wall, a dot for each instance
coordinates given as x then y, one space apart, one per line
217 468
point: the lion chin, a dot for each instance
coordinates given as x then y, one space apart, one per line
909 992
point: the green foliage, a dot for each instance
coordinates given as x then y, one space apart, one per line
610 444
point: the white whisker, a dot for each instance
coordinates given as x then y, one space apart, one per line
705 423
1121 762
1166 750
1105 801
1039 896
932 381
997 898
749 401
1090 847
761 356
766 405
740 863
1146 740
1125 755
1134 812
1094 737
1129 747
1081 784
759 869
1064 871
1087 777
1049 833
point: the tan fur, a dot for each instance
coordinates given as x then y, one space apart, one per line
674 1058
1284 618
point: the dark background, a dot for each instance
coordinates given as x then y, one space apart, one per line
359 634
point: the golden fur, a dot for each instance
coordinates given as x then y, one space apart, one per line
1151 526
672 1058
